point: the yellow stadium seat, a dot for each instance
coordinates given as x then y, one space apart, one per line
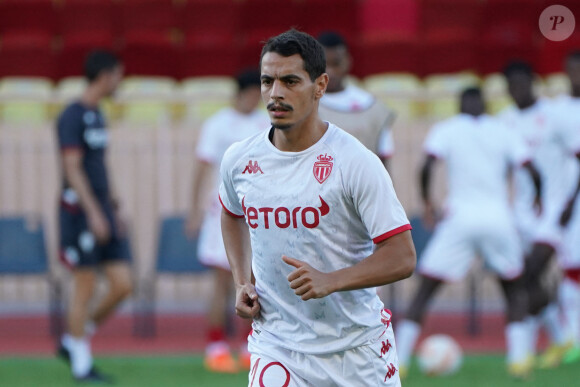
557 84
24 101
146 101
204 96
495 92
443 90
400 91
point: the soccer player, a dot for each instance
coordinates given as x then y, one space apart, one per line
554 148
567 112
351 108
479 152
91 235
229 125
313 212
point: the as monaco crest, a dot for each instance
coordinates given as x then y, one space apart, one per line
322 168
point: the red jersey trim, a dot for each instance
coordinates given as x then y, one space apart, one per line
228 211
391 233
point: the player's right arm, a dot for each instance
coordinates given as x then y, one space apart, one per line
429 216
72 159
236 241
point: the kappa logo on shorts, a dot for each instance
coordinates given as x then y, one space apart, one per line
253 168
322 168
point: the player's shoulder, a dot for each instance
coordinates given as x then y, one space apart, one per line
239 149
73 110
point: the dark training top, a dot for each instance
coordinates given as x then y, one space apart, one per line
85 128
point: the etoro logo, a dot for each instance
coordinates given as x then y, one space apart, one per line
283 217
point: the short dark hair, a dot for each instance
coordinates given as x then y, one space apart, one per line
331 39
518 66
248 78
294 42
98 61
472 91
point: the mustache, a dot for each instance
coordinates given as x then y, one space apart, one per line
279 106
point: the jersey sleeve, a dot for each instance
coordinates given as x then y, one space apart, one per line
518 152
208 145
386 146
70 128
227 192
436 143
375 199
568 131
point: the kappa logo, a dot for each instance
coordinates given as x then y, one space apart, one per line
253 168
322 168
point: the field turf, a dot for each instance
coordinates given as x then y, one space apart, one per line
477 370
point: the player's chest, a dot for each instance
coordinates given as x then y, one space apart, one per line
95 135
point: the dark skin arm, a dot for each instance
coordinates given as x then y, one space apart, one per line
569 207
537 179
428 208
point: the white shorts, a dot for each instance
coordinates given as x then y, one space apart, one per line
210 245
544 228
456 243
375 364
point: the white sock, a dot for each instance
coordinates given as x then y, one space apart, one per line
533 328
517 342
406 336
550 318
90 328
81 359
570 301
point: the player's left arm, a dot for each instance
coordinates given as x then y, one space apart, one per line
394 259
569 207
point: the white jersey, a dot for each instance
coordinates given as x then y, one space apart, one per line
478 152
362 115
217 134
552 146
326 206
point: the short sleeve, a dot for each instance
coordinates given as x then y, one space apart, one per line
208 145
375 199
436 144
70 129
518 151
227 192
568 131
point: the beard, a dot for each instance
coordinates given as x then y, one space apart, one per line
281 126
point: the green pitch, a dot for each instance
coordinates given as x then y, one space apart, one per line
188 371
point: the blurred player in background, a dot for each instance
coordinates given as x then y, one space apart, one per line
91 235
478 152
312 212
568 114
351 108
229 125
554 147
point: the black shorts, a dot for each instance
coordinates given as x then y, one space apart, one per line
78 247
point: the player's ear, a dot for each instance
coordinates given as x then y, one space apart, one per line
321 83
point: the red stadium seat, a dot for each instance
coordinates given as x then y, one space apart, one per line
375 55
80 16
208 21
445 19
221 57
27 16
261 19
393 18
150 53
316 16
447 56
27 54
75 47
146 15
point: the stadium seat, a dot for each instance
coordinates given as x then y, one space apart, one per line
400 91
151 53
146 101
557 84
27 54
26 16
204 96
75 47
379 54
77 17
442 92
148 15
494 87
198 21
210 55
316 16
22 253
176 255
421 235
24 101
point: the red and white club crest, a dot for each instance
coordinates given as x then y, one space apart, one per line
322 168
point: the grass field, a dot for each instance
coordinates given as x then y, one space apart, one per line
481 370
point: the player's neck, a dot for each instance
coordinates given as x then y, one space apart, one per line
299 137
91 96
576 91
528 103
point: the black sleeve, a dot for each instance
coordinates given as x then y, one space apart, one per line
70 128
